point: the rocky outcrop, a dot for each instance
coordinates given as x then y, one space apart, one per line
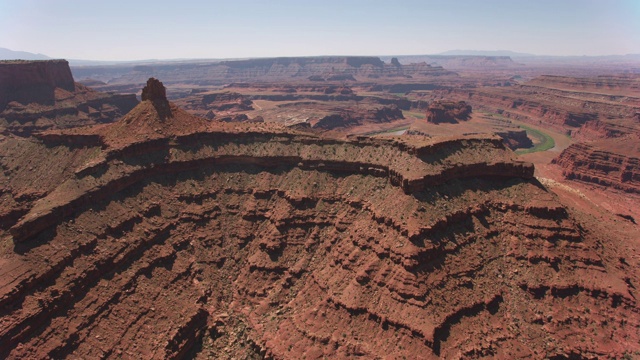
448 112
227 101
156 93
586 163
41 95
342 90
254 241
515 139
29 82
348 118
218 105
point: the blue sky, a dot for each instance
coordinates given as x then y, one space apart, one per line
141 29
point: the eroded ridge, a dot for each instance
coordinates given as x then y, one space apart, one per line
590 164
250 241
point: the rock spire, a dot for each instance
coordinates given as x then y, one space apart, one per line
156 93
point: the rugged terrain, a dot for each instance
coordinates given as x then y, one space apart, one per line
563 103
447 112
591 164
166 235
41 95
220 73
598 115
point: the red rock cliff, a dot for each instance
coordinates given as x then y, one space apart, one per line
33 81
41 95
448 111
587 163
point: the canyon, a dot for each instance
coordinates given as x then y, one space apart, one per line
206 73
40 95
273 210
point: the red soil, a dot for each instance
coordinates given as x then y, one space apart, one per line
166 235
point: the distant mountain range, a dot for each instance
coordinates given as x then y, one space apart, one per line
485 53
7 54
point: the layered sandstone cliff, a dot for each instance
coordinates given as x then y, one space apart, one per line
33 81
40 95
355 117
567 104
164 235
447 112
330 68
587 163
461 62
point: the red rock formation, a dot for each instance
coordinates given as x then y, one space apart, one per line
564 103
583 162
515 139
447 111
179 236
595 130
33 81
154 91
40 95
236 118
348 117
344 90
227 101
157 94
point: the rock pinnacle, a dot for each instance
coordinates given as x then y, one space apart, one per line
157 94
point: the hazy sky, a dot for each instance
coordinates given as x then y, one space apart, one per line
137 29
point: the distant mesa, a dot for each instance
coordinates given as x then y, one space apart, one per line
316 78
344 90
92 82
341 77
329 68
501 53
457 62
348 117
42 95
448 112
33 81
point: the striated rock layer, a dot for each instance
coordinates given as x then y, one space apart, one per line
33 81
188 238
354 117
41 95
587 163
567 104
208 73
447 112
